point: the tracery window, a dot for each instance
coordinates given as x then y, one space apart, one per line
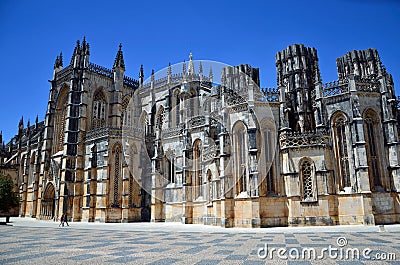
126 112
60 120
197 155
209 187
193 103
99 111
341 151
144 122
160 118
308 185
175 118
269 148
370 127
240 147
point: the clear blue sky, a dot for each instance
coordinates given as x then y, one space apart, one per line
154 33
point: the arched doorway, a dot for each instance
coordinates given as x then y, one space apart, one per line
48 202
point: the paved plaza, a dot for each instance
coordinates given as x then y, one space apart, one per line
28 241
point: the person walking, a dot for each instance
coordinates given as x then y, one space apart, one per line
65 219
61 220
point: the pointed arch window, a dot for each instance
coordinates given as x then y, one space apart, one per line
341 151
175 118
197 156
60 120
193 103
210 187
240 147
370 126
99 111
269 147
160 118
126 113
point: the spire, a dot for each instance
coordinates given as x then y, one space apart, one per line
169 73
141 75
21 122
77 50
36 122
210 76
1 138
59 61
119 59
191 65
85 46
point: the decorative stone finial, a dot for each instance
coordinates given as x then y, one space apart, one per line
191 65
141 75
169 72
119 59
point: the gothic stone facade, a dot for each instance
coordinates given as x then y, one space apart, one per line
183 148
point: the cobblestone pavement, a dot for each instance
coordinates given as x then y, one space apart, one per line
41 242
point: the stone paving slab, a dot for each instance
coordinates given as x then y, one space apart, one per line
37 242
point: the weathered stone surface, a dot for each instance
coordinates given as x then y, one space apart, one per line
182 148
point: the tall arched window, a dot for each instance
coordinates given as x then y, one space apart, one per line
160 117
99 110
371 123
60 120
269 151
209 186
193 103
197 156
341 151
117 176
175 113
240 158
308 182
126 118
144 122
